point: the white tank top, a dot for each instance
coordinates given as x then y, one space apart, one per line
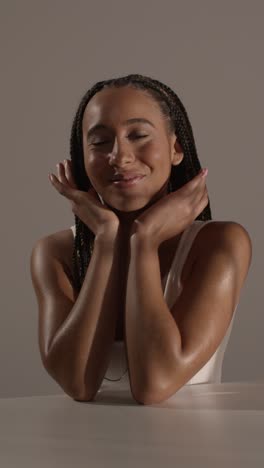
211 372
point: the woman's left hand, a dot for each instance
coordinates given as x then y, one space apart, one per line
173 213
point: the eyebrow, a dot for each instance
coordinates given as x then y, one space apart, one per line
99 126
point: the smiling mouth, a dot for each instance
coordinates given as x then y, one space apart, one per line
124 183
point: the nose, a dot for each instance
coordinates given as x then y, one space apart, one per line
121 154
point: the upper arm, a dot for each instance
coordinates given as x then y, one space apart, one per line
54 292
205 307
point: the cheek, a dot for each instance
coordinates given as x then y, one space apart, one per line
96 170
93 164
158 157
156 149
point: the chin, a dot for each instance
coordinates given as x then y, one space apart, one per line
127 207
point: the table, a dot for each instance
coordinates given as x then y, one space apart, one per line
203 425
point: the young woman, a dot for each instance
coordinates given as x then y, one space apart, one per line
145 272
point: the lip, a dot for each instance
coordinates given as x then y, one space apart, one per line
126 175
128 183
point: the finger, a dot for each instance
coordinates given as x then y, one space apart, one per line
203 202
200 178
63 189
193 186
68 173
61 173
201 195
196 196
200 181
198 202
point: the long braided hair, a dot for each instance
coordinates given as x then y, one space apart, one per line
178 121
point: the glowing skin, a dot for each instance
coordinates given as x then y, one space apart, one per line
139 147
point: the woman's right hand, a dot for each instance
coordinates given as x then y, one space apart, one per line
86 205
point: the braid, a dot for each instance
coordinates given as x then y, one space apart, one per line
178 122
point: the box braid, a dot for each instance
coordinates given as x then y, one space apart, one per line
177 121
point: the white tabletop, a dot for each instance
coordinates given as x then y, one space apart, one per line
203 425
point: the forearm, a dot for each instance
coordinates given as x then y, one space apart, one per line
152 337
80 351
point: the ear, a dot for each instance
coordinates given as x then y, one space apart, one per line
176 151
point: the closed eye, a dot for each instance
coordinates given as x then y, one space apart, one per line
103 142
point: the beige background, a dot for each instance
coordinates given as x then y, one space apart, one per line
210 53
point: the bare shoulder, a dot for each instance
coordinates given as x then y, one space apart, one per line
224 232
228 236
60 245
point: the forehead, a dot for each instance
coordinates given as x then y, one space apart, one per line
114 105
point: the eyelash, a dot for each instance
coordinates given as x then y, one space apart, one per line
102 142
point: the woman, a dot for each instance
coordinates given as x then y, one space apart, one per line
137 194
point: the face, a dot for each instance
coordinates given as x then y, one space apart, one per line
117 146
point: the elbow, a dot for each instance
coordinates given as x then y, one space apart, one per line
78 395
67 384
161 388
81 398
81 395
157 397
150 398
